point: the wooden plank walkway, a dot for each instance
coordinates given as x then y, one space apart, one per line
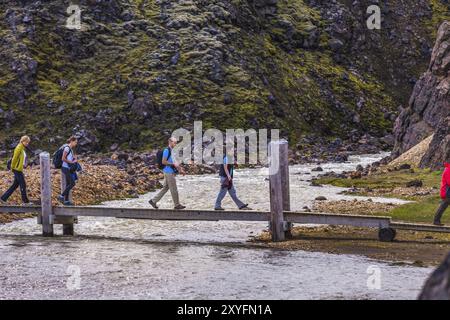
62 215
420 227
279 218
212 215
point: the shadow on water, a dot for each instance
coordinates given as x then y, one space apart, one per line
38 240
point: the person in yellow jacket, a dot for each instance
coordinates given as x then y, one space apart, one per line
17 165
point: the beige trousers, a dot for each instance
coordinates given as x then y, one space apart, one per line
170 183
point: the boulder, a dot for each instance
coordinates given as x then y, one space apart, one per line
414 184
437 287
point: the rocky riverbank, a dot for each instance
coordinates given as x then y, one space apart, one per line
413 248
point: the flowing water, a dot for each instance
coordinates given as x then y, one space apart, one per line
114 259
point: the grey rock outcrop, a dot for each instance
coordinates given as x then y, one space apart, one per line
429 107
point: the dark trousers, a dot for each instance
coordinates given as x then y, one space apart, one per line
440 212
70 183
19 181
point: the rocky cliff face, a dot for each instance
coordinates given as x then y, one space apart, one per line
140 68
429 107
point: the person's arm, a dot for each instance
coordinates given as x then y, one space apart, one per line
227 172
165 159
225 167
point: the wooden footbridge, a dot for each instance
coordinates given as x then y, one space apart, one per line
280 217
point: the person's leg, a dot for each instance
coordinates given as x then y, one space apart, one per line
163 191
444 205
23 187
172 182
232 192
11 189
69 184
221 195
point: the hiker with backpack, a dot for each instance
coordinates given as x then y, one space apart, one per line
66 160
170 170
445 194
16 165
226 174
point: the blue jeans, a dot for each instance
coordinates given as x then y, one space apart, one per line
223 192
70 183
19 181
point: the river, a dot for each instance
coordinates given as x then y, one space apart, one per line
134 259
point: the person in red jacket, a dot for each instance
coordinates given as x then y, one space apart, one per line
445 194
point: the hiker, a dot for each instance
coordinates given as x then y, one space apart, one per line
170 170
445 194
226 173
18 163
68 169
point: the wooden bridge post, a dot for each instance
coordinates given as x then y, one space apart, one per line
46 195
68 229
276 191
284 169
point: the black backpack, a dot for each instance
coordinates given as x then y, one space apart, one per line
57 157
8 164
159 158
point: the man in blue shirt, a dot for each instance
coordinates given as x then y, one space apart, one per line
170 171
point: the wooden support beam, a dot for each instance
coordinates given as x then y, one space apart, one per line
420 227
46 195
20 209
161 214
336 219
68 226
276 192
212 215
285 187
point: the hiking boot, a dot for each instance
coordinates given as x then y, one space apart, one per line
438 223
153 204
180 207
68 203
219 209
61 199
245 207
2 201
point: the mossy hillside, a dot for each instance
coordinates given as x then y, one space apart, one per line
216 61
441 13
